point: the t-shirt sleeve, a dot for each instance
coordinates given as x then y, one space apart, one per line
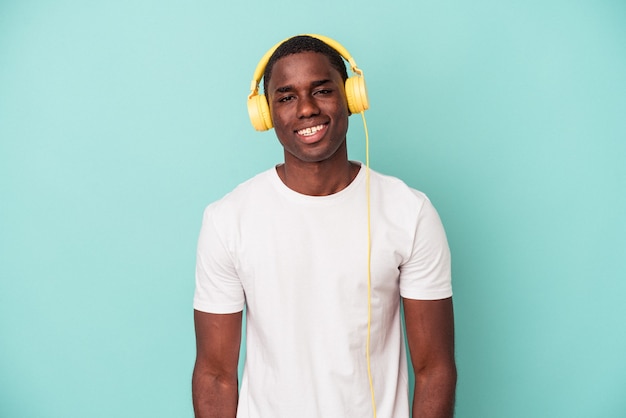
218 288
426 275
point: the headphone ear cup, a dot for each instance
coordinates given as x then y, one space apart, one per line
356 93
259 112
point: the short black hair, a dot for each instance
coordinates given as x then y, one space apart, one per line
304 43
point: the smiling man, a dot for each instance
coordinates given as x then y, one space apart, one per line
291 245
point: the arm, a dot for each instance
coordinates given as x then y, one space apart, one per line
214 381
430 335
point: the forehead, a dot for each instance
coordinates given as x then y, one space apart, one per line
306 66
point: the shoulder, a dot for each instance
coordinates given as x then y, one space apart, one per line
395 191
243 196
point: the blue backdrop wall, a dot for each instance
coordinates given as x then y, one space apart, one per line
121 120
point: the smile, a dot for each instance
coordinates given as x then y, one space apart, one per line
310 131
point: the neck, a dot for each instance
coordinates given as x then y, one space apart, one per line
318 179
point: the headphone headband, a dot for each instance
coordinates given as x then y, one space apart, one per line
260 68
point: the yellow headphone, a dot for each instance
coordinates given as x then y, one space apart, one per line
258 107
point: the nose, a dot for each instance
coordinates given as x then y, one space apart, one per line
307 107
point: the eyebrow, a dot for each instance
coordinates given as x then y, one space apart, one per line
320 82
288 88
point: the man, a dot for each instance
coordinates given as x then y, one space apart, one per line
292 245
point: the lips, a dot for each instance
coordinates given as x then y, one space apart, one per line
311 130
312 134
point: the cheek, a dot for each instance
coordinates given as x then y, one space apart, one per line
278 119
279 126
280 129
342 116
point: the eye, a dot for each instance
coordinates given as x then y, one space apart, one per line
285 99
323 91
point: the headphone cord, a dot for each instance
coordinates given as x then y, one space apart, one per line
369 264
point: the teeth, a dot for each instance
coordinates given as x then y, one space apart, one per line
310 131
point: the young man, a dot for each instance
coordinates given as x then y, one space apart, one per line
292 245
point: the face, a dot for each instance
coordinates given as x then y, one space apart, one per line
309 108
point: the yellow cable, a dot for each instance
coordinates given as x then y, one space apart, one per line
369 264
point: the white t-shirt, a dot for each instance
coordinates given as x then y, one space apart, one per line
299 264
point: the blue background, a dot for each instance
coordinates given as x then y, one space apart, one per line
121 120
